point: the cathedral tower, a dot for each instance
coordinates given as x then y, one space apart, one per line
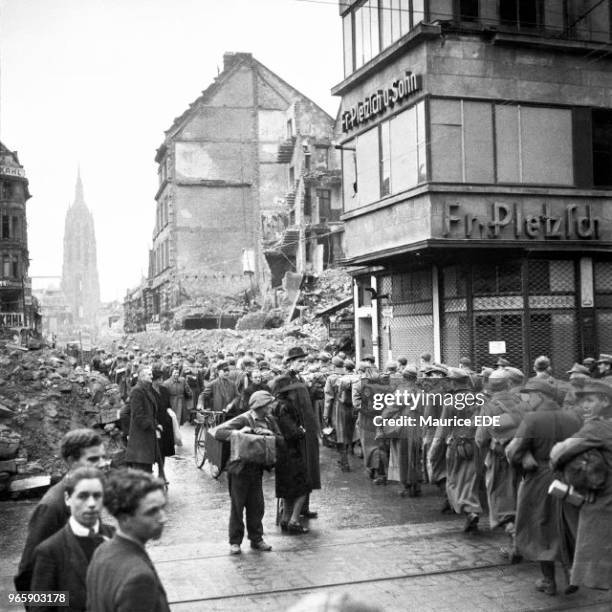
80 283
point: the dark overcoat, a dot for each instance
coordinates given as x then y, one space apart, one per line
121 578
592 565
49 516
537 518
61 565
166 442
296 394
142 441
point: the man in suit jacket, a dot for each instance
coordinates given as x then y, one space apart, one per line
78 448
60 562
142 441
121 576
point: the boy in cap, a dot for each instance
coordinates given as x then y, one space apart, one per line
245 479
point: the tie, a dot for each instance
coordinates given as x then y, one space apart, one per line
96 537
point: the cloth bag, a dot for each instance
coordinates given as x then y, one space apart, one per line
178 439
253 448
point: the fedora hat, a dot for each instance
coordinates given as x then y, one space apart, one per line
295 352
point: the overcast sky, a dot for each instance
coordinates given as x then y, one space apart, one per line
97 82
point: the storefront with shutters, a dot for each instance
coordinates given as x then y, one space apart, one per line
477 179
453 296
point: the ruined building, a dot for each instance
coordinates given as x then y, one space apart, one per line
17 308
80 283
227 186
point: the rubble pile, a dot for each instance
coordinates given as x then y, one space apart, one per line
211 305
227 340
42 396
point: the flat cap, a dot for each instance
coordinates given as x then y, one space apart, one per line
259 399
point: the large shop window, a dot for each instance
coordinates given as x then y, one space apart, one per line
410 331
376 24
521 14
602 148
461 141
533 314
388 159
603 304
529 145
534 145
367 37
368 175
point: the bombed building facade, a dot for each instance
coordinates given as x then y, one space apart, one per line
232 210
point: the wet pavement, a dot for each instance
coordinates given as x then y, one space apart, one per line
399 553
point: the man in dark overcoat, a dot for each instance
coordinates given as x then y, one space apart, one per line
142 441
538 526
60 562
78 448
592 564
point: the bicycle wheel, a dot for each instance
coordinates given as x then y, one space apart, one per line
199 444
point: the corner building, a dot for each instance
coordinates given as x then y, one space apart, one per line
477 177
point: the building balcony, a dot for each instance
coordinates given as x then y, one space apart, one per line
11 319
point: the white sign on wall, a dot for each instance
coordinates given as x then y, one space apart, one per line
497 347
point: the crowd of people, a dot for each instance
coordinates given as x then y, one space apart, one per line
540 465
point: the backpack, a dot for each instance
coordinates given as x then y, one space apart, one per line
587 472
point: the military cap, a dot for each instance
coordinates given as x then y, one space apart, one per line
391 366
603 358
579 369
349 364
588 361
499 374
436 367
410 371
337 361
324 356
264 365
222 365
595 386
538 385
515 373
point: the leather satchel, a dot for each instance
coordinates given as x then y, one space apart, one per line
253 448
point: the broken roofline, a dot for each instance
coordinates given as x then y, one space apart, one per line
240 60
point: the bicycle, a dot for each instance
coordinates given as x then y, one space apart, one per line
204 420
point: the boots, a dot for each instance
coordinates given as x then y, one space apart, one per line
344 461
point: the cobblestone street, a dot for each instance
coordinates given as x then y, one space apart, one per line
399 552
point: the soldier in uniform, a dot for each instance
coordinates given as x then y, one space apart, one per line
538 515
